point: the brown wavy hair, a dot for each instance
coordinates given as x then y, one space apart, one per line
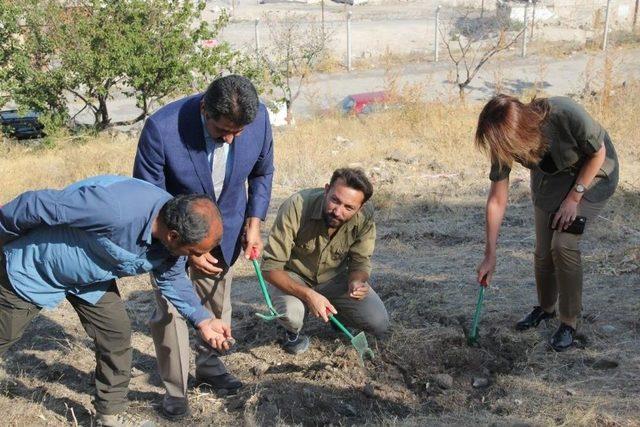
510 130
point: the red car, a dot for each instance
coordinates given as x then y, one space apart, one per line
364 103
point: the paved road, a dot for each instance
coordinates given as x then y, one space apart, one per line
556 77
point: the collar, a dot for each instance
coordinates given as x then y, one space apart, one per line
317 207
146 231
207 137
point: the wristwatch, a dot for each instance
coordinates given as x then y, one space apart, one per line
579 188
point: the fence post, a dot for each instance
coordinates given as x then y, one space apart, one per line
605 38
257 36
635 15
524 32
322 17
349 41
437 35
533 19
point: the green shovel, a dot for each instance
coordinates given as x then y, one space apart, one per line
273 314
359 342
473 334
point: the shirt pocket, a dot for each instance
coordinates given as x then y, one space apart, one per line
307 247
338 255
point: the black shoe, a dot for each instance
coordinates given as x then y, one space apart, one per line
220 382
533 319
174 408
295 343
563 337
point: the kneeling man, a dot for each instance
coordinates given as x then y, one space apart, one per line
73 243
318 258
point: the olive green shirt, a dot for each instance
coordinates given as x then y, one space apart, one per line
573 136
299 240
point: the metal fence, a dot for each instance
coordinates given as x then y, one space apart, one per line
582 22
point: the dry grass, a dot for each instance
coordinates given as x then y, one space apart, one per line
430 189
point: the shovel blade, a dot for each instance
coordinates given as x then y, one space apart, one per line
361 345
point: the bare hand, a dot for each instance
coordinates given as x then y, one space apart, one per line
216 333
486 269
205 263
319 305
358 290
565 215
252 241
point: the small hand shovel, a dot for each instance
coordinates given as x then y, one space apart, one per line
273 314
473 334
359 342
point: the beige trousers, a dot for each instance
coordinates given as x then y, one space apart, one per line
171 333
558 264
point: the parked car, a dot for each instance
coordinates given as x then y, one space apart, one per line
364 103
21 126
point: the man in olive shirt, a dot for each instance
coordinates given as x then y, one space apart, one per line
318 258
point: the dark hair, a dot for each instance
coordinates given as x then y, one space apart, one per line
233 97
353 178
511 130
181 215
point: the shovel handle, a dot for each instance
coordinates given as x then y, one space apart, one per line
339 324
263 285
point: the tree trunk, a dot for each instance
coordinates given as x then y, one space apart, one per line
103 112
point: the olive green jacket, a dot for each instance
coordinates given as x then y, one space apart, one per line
299 240
573 136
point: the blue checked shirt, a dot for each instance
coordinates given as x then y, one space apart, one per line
76 240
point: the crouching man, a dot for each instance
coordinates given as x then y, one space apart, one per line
318 258
73 243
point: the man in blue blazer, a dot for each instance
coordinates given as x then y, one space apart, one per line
218 143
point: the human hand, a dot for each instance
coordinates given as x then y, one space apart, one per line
205 263
320 306
251 240
216 333
358 290
486 269
566 214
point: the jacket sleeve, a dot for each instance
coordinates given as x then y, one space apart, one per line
174 284
261 177
90 208
150 161
281 240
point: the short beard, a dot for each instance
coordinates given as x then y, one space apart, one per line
327 218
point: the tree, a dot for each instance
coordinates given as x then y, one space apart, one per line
294 52
473 42
150 49
31 75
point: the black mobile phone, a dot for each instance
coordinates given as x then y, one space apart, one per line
576 227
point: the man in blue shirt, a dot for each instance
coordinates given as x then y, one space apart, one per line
217 143
73 243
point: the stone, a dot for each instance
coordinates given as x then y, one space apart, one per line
368 390
480 382
445 381
608 329
259 369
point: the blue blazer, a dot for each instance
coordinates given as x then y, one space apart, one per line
172 155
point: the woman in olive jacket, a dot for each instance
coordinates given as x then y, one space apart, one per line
574 171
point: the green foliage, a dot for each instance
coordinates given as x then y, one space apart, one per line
51 52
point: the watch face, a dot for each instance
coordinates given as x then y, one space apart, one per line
579 188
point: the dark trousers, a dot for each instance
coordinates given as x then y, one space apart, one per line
107 323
